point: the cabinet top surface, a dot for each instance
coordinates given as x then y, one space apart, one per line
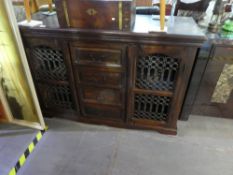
180 30
185 26
144 24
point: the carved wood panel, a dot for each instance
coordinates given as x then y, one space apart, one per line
55 96
48 63
151 107
156 72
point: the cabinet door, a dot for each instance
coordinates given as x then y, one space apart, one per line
157 84
51 68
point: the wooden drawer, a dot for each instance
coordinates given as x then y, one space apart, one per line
97 77
102 111
101 95
97 56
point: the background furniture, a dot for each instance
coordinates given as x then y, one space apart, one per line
34 4
169 6
196 10
199 6
211 89
143 2
152 10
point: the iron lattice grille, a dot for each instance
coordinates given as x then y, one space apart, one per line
49 64
151 107
58 96
156 72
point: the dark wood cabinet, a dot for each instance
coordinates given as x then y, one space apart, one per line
125 79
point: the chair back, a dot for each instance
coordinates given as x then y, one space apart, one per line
199 6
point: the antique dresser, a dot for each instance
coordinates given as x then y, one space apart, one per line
130 79
210 91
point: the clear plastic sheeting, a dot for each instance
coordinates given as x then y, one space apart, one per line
13 79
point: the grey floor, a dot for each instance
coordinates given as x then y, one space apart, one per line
203 146
14 140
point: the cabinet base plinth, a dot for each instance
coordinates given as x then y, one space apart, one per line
162 130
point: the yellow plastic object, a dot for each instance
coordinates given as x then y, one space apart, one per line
27 10
162 14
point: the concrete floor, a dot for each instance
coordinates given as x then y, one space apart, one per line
14 140
203 146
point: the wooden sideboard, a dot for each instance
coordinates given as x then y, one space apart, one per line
132 79
210 92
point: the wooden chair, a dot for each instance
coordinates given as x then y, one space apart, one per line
169 5
199 6
33 4
144 7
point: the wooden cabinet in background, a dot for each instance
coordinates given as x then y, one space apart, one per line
210 92
215 93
